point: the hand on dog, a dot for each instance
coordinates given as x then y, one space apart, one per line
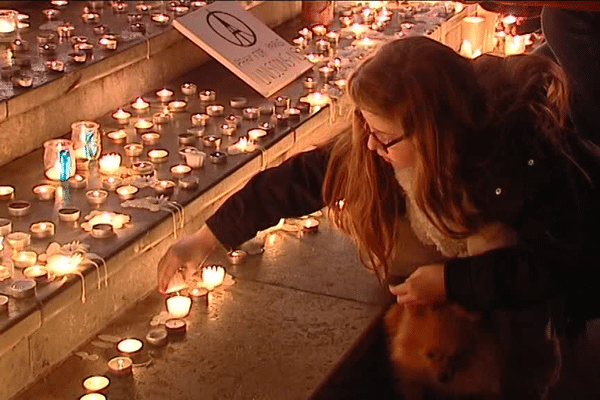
424 286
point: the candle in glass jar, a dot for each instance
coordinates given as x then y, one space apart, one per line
110 163
179 306
42 230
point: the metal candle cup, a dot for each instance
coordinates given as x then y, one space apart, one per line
150 138
121 116
140 105
127 192
164 187
207 95
24 259
19 208
158 155
96 197
180 170
77 182
42 230
251 113
7 193
177 106
143 125
111 183
5 226
36 272
120 365
96 384
164 95
215 110
102 231
18 240
200 119
69 214
117 137
188 89
133 149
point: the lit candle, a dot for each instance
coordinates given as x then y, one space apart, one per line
365 43
188 89
314 58
160 18
93 396
96 383
164 95
217 157
7 193
322 45
158 155
111 182
44 192
177 106
42 230
310 225
358 30
179 306
8 21
180 170
127 192
514 45
211 141
251 113
509 22
212 276
140 105
133 149
161 117
36 272
326 72
18 240
243 145
236 256
143 125
200 119
215 110
317 100
3 303
117 137
333 37
110 163
24 259
473 30
77 182
195 159
121 116
175 326
108 42
346 21
300 42
207 95
164 187
305 33
319 30
340 84
256 133
120 365
150 138
129 347
96 197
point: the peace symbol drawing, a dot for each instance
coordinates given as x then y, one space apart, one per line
231 28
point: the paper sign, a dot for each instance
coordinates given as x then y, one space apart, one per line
245 45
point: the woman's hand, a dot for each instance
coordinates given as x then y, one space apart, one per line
424 286
185 255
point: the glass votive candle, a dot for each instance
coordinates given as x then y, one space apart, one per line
7 193
158 155
140 105
117 137
195 159
86 139
109 163
164 95
96 197
111 183
127 192
133 149
121 116
179 306
96 384
180 170
24 259
42 230
143 125
120 365
212 276
59 159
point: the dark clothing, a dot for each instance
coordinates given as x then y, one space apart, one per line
558 227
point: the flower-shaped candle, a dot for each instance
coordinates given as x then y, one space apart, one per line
179 306
110 163
212 276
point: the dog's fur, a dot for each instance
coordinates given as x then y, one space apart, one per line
442 349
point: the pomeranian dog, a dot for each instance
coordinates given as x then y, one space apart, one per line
444 351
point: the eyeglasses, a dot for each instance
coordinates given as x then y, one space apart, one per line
384 146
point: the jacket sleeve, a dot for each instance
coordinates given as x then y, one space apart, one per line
291 189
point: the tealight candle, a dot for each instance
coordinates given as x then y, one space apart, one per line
143 125
7 193
346 21
175 326
164 95
109 163
322 45
326 72
117 137
158 155
358 30
96 197
90 17
160 18
102 231
319 30
120 365
69 214
121 116
161 117
19 45
179 306
180 170
310 83
215 110
24 259
251 113
44 191
42 230
164 187
3 304
51 13
238 102
177 106
157 337
140 105
111 183
217 157
189 182
65 30
233 120
200 119
127 192
108 42
143 167
212 276
310 225
36 272
305 33
19 208
268 127
119 6
333 38
207 95
186 137
133 149
340 84
256 133
211 141
300 42
293 114
188 89
150 138
236 256
77 182
96 383
227 129
93 396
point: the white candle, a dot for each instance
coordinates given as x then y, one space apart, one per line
110 163
164 95
121 116
473 30
127 192
179 306
140 105
42 230
24 259
212 276
129 347
96 383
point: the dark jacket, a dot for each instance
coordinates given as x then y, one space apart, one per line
553 207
